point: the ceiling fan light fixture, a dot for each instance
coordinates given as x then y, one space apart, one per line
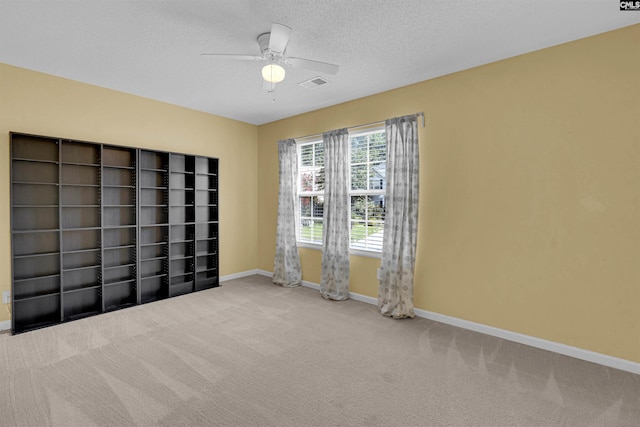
273 73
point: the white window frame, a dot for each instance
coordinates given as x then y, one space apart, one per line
372 192
372 253
300 194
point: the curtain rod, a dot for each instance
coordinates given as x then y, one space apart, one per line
420 114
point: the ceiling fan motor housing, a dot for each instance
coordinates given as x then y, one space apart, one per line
263 41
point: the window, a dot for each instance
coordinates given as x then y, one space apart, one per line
368 156
368 183
311 191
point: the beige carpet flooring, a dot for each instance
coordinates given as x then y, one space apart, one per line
253 354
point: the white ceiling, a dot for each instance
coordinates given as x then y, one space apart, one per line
152 48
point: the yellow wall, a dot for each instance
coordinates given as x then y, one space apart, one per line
41 104
529 192
530 183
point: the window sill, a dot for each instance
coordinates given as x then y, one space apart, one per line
354 252
309 245
366 254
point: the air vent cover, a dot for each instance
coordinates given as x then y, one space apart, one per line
314 82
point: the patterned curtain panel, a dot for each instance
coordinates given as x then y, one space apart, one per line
286 265
334 281
395 298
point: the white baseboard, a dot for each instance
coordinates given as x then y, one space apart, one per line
238 275
5 325
304 282
567 350
310 285
264 273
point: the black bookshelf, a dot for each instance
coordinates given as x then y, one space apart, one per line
119 228
79 208
181 224
35 225
206 216
97 228
154 225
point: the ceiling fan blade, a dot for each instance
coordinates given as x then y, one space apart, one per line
279 37
321 67
233 56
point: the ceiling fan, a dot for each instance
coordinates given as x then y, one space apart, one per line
273 46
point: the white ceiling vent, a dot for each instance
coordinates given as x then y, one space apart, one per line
314 82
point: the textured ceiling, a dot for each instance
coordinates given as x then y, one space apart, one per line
152 48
